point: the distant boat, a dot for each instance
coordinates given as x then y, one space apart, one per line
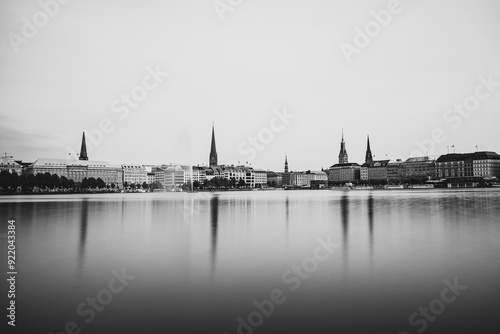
393 186
421 186
362 188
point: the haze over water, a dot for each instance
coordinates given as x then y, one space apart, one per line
200 260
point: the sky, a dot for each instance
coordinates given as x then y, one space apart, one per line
146 79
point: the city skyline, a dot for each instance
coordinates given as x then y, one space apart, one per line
406 82
343 156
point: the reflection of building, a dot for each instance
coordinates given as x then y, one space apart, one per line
7 163
478 164
136 174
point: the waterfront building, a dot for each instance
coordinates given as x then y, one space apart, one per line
194 173
7 163
373 170
377 170
394 171
305 179
260 177
174 176
419 168
134 174
77 170
299 179
363 173
150 177
159 176
345 172
276 177
318 176
468 165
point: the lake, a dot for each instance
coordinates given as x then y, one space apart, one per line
371 261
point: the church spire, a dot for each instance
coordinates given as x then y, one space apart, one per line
83 149
368 157
213 149
286 164
343 157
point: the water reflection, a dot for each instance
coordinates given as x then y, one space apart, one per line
344 211
287 207
214 222
83 236
370 221
423 237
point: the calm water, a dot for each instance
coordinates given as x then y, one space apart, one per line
199 261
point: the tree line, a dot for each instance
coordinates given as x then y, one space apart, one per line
44 182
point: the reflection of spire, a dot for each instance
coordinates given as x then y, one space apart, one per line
370 221
83 234
344 209
214 221
287 205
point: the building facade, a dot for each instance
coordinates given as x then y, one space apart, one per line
419 168
468 165
7 163
135 174
77 170
348 172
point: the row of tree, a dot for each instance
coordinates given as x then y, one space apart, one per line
219 182
27 183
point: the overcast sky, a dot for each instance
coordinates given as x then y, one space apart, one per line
263 57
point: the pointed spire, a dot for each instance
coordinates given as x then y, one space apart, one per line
83 149
343 157
286 164
213 149
368 156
